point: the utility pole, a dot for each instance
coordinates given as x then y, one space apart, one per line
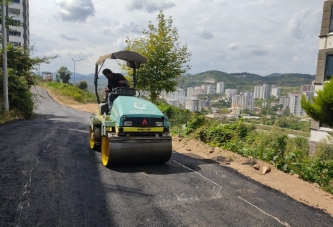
74 67
4 59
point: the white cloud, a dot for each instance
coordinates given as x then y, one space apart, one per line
75 10
150 5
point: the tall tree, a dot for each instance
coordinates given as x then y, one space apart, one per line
63 74
320 108
167 59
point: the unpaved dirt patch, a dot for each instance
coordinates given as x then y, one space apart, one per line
291 185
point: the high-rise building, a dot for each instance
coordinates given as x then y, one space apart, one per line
204 88
230 92
265 92
242 102
18 11
262 92
220 88
305 88
176 98
193 104
198 91
256 92
295 105
210 89
284 101
189 92
276 92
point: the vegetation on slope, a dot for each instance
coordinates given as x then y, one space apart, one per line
71 92
287 154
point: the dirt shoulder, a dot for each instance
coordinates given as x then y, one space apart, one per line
302 191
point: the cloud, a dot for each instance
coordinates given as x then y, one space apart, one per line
233 46
151 5
69 38
259 52
121 28
207 35
76 10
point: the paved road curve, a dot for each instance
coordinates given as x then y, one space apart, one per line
49 177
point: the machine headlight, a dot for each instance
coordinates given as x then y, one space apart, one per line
127 123
159 123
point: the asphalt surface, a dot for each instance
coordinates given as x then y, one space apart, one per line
50 177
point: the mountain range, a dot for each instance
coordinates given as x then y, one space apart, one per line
242 81
245 81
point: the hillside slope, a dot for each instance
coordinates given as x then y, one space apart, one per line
244 81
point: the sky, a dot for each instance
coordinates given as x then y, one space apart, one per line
254 36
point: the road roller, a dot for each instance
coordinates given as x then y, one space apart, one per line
131 129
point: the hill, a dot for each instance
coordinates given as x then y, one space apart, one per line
244 81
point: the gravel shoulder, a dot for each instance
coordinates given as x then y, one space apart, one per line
300 190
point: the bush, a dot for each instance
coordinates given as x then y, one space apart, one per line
19 95
324 149
83 85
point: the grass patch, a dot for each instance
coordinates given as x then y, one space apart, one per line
69 94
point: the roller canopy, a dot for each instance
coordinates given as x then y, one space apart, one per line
133 59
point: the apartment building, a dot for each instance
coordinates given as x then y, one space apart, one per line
199 91
242 102
210 89
176 98
284 101
189 92
324 69
295 105
305 88
18 11
193 104
220 88
230 92
262 92
276 92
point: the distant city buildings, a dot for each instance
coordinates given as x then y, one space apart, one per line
190 99
293 102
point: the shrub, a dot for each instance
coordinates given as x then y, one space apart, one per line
19 95
324 149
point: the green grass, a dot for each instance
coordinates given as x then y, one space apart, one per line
73 92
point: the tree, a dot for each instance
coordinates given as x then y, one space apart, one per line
83 85
166 58
63 74
320 108
20 78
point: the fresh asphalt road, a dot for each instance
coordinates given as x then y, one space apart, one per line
50 177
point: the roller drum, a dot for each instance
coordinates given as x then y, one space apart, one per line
139 150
